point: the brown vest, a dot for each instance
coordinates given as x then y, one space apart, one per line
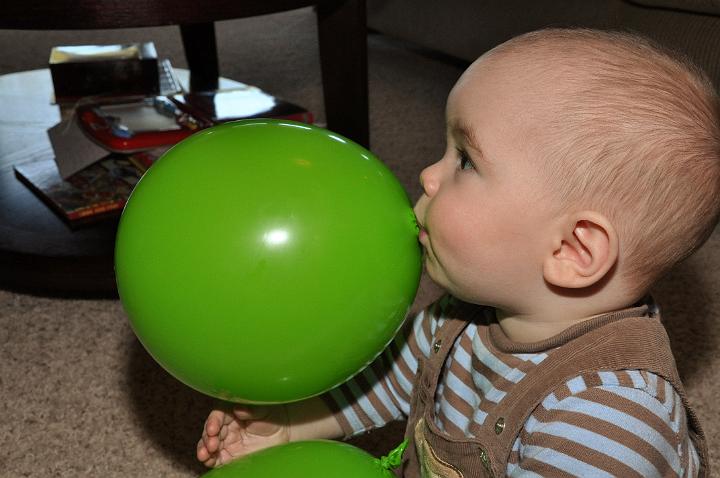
628 339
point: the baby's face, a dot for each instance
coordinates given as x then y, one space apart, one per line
483 211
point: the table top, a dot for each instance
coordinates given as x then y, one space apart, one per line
38 250
92 14
26 224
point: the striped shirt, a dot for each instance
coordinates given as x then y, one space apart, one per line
621 423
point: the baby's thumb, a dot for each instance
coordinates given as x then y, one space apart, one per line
251 412
262 420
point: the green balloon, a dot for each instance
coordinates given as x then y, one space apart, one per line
305 459
267 261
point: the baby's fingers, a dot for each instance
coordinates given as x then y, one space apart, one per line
215 422
211 443
215 430
204 455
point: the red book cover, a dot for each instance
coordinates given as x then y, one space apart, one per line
132 124
96 192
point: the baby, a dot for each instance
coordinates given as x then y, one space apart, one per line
580 167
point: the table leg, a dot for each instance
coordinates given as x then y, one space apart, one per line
342 34
201 54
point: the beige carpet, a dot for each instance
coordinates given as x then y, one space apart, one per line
78 394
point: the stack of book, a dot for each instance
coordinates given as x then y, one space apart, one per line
134 132
94 193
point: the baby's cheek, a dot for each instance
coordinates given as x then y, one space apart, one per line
451 231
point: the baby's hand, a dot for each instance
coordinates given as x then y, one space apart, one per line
229 435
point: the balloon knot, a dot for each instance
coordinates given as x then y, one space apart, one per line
394 458
414 220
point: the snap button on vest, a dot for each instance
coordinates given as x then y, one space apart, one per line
485 459
499 425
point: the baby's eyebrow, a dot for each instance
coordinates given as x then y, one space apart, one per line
467 133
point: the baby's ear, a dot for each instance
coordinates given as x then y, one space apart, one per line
586 249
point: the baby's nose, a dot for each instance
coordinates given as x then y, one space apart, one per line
428 180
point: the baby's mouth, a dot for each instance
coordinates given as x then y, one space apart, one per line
422 231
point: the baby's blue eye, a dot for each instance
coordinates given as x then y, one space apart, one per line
464 161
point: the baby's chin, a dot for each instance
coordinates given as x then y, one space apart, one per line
438 276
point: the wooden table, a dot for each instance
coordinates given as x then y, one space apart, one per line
341 28
38 250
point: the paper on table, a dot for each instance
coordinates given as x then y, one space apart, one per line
61 54
140 117
73 150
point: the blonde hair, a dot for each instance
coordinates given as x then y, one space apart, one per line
637 137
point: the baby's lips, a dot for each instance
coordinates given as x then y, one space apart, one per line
421 231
